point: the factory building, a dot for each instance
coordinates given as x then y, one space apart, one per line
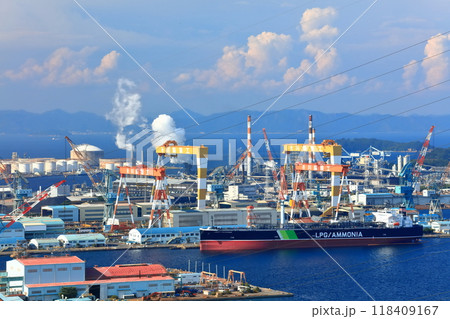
441 226
164 235
42 227
94 212
68 213
44 243
82 240
222 217
41 271
9 237
43 278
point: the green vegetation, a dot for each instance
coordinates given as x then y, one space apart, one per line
68 292
438 157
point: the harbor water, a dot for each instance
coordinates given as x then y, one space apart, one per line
400 272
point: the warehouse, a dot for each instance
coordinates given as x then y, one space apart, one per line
44 243
43 271
9 237
68 213
164 235
82 240
43 278
42 227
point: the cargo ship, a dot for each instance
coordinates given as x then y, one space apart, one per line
387 228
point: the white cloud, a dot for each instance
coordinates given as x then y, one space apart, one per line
409 72
244 66
433 69
318 35
437 68
67 67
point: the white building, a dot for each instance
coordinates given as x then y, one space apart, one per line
68 213
164 235
82 240
441 226
43 271
44 243
43 278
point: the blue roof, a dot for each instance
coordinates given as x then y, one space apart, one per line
62 207
16 225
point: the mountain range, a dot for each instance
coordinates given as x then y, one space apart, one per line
285 124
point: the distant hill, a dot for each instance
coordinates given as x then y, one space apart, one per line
56 122
286 124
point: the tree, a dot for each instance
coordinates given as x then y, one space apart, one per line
69 292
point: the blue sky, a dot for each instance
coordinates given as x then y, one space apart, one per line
213 56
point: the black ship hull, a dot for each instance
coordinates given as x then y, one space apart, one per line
308 236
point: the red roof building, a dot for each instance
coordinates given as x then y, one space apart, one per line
126 271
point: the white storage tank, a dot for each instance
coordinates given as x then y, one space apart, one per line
25 168
61 166
72 166
92 153
50 167
110 166
38 167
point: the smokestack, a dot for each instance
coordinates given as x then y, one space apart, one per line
249 146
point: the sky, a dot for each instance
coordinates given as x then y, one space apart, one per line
213 56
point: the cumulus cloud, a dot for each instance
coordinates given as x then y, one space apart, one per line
409 72
67 67
437 68
433 69
318 35
263 54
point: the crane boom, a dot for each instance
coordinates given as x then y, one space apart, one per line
269 153
20 211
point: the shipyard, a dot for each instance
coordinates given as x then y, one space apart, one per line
293 153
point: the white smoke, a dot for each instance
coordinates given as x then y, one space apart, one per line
164 129
126 111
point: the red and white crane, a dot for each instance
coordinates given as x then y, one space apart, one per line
20 211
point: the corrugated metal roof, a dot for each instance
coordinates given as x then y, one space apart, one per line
121 271
50 260
75 237
16 225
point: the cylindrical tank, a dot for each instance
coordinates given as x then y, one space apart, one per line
25 168
61 166
72 166
406 159
110 166
38 167
90 152
50 167
399 163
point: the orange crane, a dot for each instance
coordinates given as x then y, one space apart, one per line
160 200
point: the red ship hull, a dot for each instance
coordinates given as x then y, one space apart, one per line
236 245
